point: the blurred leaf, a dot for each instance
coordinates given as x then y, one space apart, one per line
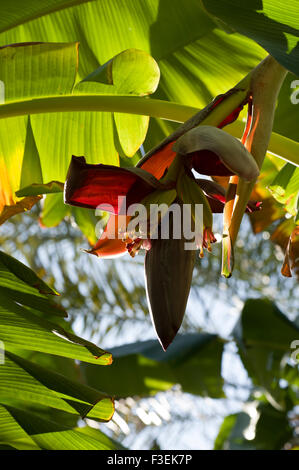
264 336
270 23
286 235
271 419
54 210
86 220
285 187
271 211
192 360
269 171
230 435
270 429
291 375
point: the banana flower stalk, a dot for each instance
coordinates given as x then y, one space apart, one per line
165 175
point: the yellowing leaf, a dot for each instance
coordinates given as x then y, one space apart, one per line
21 206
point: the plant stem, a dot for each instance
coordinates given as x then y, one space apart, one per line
283 147
265 86
114 103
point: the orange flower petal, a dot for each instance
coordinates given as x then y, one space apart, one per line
159 161
109 245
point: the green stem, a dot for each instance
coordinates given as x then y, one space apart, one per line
121 104
266 83
281 146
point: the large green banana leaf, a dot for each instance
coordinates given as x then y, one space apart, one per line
31 326
25 430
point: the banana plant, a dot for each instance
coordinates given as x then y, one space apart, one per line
99 107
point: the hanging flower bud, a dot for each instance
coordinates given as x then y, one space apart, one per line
168 274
